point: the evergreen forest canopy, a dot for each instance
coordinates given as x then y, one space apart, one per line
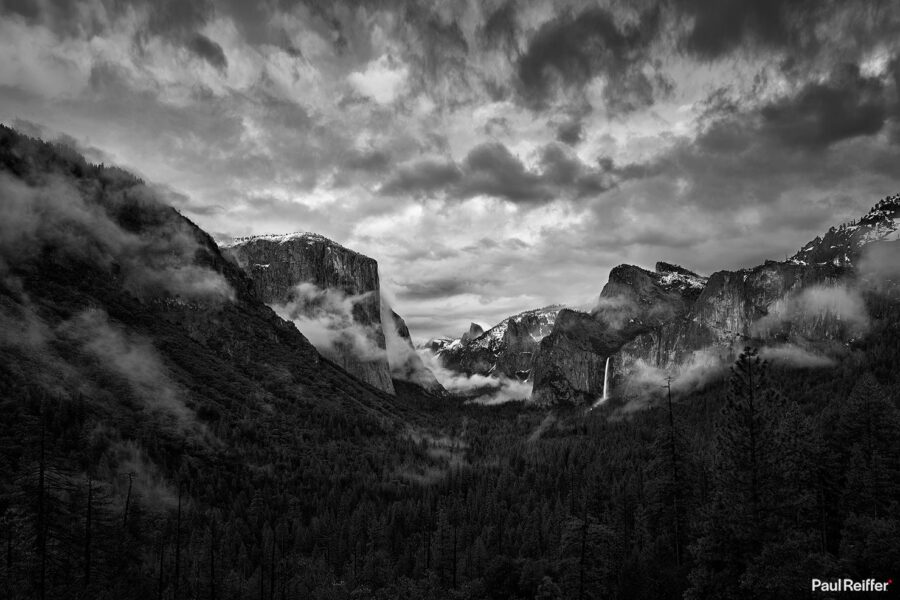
226 461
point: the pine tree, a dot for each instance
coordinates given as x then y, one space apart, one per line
735 523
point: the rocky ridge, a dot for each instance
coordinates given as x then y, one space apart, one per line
507 348
662 318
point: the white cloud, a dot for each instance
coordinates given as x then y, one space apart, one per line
382 80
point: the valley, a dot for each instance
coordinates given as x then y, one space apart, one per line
187 419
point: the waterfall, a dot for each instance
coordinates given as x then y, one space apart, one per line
606 381
605 395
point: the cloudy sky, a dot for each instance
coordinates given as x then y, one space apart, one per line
493 156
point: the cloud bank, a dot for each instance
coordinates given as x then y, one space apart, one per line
530 146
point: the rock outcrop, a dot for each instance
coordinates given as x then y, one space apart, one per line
335 292
569 368
637 306
405 362
663 318
506 349
311 279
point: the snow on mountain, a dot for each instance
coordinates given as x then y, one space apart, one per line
507 348
307 236
841 246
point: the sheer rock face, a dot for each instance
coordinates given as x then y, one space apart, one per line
635 305
278 264
405 362
661 318
506 349
569 366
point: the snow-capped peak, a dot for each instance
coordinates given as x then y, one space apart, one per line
281 238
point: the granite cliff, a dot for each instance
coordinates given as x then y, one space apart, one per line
635 305
664 318
333 294
330 291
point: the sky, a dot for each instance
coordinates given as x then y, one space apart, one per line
493 156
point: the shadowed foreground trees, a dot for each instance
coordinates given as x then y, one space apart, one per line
793 479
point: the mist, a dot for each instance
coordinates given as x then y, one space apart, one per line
492 390
795 356
131 358
881 262
840 302
326 318
694 373
56 216
615 311
404 361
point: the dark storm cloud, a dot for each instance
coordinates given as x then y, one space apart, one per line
568 52
818 115
422 177
570 132
62 16
500 28
208 50
368 160
720 26
426 289
436 47
785 167
490 169
177 17
821 114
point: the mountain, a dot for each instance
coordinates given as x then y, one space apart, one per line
667 318
331 291
158 416
571 362
507 348
96 269
842 246
405 362
333 294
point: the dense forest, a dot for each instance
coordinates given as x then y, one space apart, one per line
743 490
307 484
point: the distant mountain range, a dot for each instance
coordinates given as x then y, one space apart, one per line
507 348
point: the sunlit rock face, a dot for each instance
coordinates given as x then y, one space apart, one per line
280 266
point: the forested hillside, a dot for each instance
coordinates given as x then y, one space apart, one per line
165 435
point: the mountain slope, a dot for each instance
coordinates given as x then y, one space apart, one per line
130 345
